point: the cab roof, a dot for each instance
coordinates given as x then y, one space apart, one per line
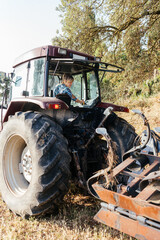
66 55
51 51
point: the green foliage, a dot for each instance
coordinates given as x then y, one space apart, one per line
122 32
5 85
115 88
77 18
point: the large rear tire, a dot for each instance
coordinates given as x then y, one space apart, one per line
123 134
34 164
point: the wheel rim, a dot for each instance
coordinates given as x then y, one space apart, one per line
25 166
16 165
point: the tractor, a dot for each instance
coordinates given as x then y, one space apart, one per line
48 141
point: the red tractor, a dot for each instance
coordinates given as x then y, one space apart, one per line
46 141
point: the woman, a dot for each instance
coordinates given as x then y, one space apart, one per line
64 88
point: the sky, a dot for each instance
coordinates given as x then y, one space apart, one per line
24 25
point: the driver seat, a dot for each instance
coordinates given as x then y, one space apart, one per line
64 97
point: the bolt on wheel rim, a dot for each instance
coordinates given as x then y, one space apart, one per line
26 164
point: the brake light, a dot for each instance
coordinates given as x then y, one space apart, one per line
54 106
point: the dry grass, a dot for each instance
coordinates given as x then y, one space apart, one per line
73 222
150 107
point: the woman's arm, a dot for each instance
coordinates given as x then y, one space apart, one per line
77 100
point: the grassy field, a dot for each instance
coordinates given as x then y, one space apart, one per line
74 220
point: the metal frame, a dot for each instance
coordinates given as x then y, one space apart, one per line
91 64
135 216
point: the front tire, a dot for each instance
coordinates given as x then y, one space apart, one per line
34 164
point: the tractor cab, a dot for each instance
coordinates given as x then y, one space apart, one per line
39 71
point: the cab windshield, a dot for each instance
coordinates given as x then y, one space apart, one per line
85 84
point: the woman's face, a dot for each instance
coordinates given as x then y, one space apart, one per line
68 83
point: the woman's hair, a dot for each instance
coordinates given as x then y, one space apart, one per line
67 76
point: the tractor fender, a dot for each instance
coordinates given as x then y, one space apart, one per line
115 107
34 104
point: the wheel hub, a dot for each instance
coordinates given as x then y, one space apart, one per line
26 164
